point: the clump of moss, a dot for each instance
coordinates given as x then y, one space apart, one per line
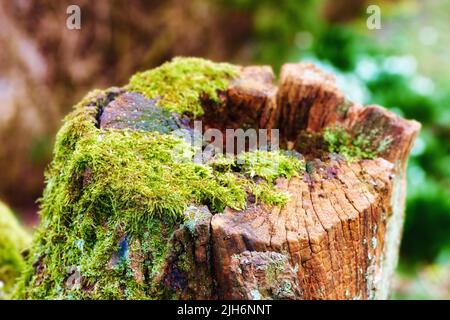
180 83
263 167
354 146
104 185
270 165
267 194
115 194
13 240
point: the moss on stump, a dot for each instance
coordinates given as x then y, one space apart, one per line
127 213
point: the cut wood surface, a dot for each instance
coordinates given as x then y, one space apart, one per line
338 235
341 229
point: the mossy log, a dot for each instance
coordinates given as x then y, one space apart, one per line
122 219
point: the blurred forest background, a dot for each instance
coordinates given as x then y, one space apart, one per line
45 68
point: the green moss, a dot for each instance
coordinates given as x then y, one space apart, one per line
354 146
267 194
264 167
112 193
180 83
106 184
13 240
270 165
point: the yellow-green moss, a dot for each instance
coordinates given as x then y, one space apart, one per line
267 165
270 165
180 83
110 189
354 146
13 240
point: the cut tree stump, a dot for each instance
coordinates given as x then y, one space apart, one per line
336 238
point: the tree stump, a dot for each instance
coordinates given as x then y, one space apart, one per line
121 219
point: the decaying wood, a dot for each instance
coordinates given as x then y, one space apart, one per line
337 238
250 101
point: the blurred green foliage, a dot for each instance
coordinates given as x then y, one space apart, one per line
278 25
373 71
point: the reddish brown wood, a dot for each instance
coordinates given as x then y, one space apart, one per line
340 231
